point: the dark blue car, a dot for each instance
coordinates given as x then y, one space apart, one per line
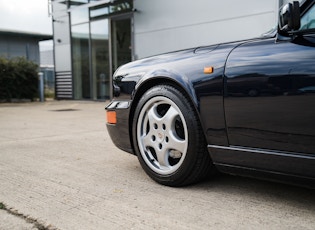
245 108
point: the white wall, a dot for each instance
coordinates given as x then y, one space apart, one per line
62 49
167 25
61 36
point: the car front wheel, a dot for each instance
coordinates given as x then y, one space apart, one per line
168 138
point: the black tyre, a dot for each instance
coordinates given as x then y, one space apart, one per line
168 139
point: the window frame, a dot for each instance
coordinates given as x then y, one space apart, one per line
305 9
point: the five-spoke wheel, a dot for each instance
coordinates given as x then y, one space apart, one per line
162 135
168 139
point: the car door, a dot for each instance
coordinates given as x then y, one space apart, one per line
270 94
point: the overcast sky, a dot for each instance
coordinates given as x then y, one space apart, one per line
25 15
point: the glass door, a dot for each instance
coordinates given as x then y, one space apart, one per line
121 42
98 49
100 59
80 61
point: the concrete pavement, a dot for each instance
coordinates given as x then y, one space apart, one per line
60 170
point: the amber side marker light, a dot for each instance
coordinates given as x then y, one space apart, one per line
111 117
208 70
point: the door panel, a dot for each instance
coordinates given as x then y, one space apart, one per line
270 98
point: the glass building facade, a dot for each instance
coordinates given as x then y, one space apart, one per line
93 37
100 41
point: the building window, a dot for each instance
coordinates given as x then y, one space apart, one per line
100 59
74 3
99 45
79 15
110 9
80 61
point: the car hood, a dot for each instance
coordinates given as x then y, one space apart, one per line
144 64
165 61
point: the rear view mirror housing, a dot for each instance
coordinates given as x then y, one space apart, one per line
289 17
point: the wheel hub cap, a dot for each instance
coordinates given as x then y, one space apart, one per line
160 137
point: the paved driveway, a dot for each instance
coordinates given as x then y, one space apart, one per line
60 170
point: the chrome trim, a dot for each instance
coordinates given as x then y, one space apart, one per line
262 151
118 105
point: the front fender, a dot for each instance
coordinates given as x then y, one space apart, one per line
166 75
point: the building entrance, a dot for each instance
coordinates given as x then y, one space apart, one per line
92 60
99 47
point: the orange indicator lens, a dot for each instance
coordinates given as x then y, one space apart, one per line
208 70
111 117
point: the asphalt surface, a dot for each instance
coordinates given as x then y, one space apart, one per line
60 170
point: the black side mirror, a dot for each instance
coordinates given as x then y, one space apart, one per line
289 18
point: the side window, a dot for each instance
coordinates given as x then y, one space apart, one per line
308 19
